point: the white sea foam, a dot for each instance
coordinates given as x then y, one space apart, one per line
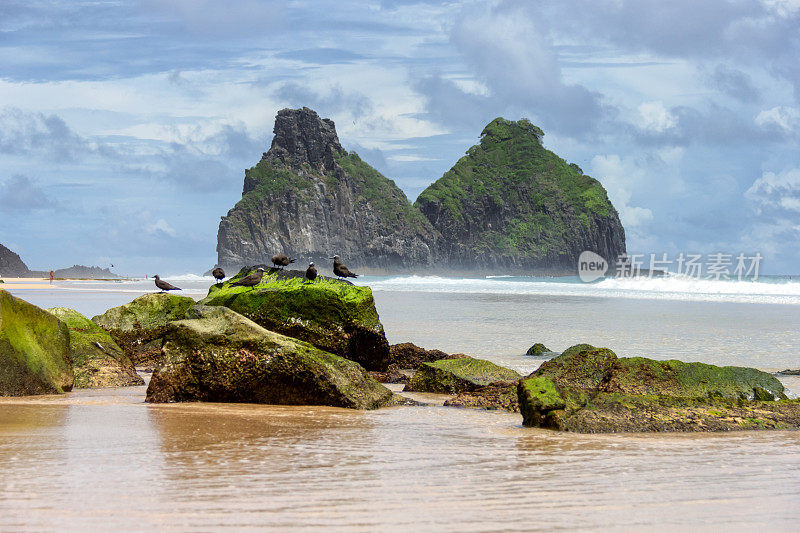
765 290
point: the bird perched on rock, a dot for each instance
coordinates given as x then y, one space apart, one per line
340 270
250 280
218 274
281 260
164 286
311 272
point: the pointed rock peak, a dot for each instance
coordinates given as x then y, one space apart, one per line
302 137
503 129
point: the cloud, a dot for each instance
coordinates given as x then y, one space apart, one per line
335 101
734 83
161 226
655 117
21 193
781 118
25 133
620 177
774 193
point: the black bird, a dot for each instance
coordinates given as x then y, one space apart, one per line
340 270
311 272
164 286
218 274
281 260
250 280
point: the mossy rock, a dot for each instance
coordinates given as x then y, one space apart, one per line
97 360
219 355
464 374
34 350
497 396
592 390
407 355
538 349
138 326
335 316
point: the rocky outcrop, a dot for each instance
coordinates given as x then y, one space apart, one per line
221 356
310 198
34 350
138 327
11 266
497 396
80 271
335 316
463 374
97 361
409 355
538 349
591 390
513 206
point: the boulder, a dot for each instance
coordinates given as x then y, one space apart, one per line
138 327
464 374
34 350
218 355
408 355
97 361
501 396
335 316
592 390
538 349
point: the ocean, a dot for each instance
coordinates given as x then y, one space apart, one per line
104 460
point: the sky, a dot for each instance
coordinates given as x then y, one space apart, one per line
126 126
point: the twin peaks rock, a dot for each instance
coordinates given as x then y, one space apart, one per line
509 205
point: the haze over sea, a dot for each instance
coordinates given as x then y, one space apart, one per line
111 461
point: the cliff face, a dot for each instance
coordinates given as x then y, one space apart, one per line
11 265
310 199
510 204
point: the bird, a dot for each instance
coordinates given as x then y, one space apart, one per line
340 270
281 260
164 286
218 274
311 272
250 280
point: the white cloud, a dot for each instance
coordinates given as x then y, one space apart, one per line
162 226
783 8
785 118
775 191
655 117
620 176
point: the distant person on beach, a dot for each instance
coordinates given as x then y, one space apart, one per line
51 276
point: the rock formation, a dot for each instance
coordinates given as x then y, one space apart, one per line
512 206
11 266
310 198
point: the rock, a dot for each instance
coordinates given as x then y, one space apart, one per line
451 376
390 376
221 356
538 349
34 350
500 396
510 205
308 197
97 361
592 390
789 372
80 271
138 327
11 266
334 316
408 355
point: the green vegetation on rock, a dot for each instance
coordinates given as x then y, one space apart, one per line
464 374
538 349
97 361
592 390
334 316
34 350
138 326
510 200
219 355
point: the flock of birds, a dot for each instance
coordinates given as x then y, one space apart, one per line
254 278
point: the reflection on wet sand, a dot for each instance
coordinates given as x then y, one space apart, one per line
105 460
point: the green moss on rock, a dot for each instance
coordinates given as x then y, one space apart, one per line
138 326
464 374
219 355
34 350
334 316
538 349
590 389
97 360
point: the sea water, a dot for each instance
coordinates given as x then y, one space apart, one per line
104 460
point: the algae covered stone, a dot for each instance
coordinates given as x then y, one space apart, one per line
97 360
464 374
538 349
138 326
34 350
220 355
335 316
591 390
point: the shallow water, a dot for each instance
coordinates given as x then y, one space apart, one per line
104 460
